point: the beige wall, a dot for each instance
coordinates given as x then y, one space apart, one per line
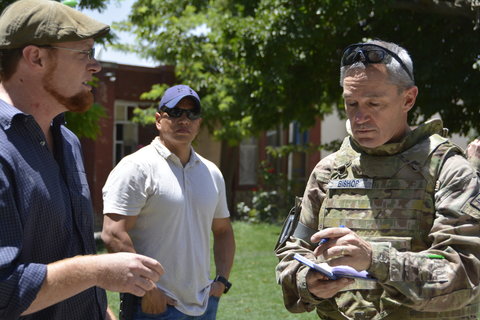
459 140
207 147
332 128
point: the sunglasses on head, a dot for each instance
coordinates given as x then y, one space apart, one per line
177 112
370 53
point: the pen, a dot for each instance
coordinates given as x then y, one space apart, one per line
325 240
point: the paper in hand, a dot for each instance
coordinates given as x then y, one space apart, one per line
334 273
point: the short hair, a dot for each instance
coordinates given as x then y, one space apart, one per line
396 73
9 59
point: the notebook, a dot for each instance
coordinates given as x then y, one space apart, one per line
334 273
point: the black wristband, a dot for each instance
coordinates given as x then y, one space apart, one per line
224 280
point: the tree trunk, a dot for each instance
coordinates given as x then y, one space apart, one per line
229 168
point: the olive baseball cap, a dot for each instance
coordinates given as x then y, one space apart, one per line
42 22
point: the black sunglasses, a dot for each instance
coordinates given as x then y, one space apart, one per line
177 113
370 53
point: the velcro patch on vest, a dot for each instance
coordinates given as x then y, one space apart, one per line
350 184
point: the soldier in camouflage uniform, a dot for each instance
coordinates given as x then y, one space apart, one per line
408 199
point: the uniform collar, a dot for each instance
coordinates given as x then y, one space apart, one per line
420 133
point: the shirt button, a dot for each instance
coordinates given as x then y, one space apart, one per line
42 143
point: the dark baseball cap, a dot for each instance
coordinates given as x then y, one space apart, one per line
43 22
174 94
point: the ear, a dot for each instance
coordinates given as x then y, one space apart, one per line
34 56
158 117
410 96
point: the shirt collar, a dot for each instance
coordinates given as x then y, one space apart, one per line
167 154
161 149
8 113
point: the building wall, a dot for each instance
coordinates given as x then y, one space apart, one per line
333 128
208 147
316 134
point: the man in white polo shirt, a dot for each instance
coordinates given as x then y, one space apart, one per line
162 201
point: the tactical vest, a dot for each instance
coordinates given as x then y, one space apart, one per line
388 199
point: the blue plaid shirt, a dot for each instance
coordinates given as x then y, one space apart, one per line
45 216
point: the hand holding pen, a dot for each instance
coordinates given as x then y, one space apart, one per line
325 240
342 246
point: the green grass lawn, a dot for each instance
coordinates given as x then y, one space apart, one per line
255 293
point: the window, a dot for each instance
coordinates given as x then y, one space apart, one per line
297 161
125 131
248 162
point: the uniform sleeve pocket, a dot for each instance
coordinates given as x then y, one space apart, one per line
472 207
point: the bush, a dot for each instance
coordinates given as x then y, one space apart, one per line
272 201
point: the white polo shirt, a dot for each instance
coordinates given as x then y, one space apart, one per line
175 206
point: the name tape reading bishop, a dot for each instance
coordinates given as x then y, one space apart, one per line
350 184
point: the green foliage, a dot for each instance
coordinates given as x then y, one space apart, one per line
155 93
86 125
144 116
271 201
285 150
260 63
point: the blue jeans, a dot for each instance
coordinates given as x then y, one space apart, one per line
173 314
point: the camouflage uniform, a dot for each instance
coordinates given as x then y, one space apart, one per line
475 162
422 197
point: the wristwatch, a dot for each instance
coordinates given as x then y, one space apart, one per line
224 281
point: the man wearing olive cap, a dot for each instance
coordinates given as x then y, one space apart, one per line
47 270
